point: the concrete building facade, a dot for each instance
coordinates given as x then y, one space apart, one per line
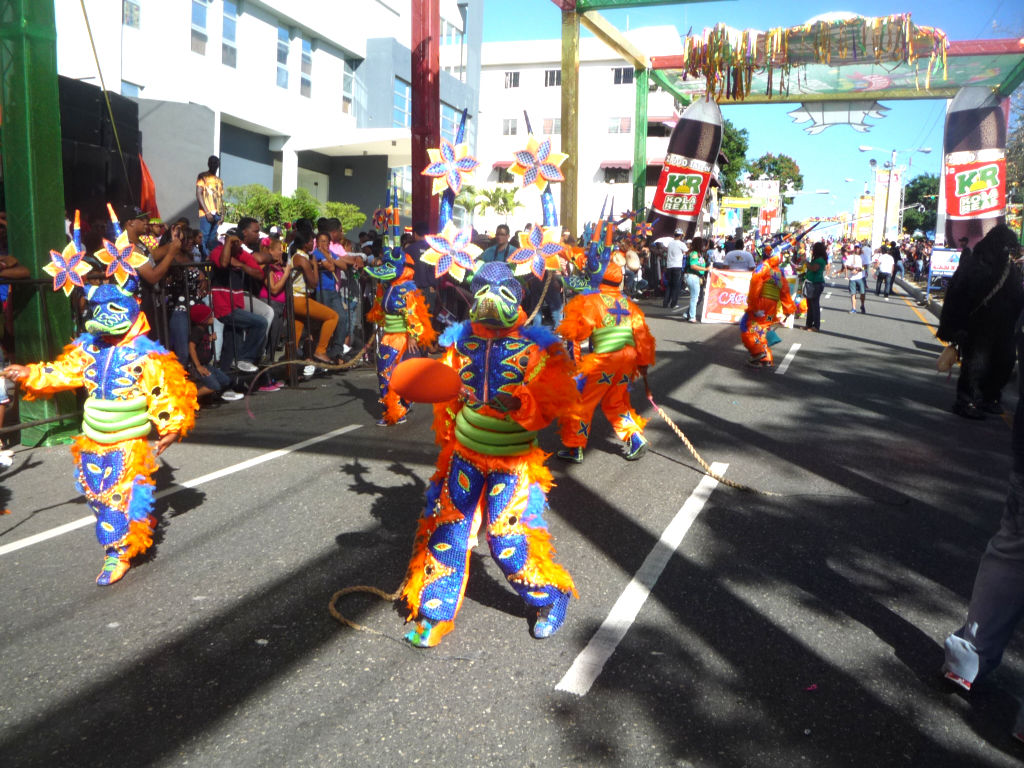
289 93
525 76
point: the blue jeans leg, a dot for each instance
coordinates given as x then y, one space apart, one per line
254 330
208 230
178 327
693 284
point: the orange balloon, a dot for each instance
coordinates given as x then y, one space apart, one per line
423 380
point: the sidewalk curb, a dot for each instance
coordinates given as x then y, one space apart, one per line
933 305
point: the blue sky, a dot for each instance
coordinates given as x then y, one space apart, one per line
832 156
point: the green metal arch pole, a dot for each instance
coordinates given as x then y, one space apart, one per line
34 188
640 141
570 118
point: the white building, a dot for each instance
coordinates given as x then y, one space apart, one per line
289 93
526 75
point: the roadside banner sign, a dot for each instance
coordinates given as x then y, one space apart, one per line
945 261
725 295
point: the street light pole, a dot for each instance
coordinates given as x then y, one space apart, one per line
888 185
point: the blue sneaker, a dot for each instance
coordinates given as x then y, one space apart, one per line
572 455
547 619
636 446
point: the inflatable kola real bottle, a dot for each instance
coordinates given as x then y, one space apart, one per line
974 171
692 153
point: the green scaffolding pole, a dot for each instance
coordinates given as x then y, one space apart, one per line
640 142
34 191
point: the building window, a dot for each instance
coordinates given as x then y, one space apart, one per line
348 86
617 175
510 126
199 8
552 126
622 75
401 113
306 78
511 79
130 13
449 122
504 177
552 78
283 44
130 89
620 124
229 43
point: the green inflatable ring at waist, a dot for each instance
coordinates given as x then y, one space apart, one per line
395 324
611 339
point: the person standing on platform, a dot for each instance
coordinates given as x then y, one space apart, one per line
210 198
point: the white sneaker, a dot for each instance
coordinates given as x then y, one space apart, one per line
246 367
345 349
6 459
230 395
308 371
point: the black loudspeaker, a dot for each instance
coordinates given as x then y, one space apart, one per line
80 110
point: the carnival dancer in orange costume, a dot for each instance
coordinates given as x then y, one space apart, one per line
401 312
768 289
621 346
133 384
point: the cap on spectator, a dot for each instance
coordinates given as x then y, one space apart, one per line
200 313
275 231
155 220
131 212
679 231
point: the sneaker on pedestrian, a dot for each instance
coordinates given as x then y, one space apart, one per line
886 298
308 371
230 395
691 319
246 367
968 410
863 309
853 311
272 386
992 406
345 349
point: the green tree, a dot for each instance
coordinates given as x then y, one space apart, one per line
467 198
500 200
255 201
735 142
348 214
780 167
921 190
301 205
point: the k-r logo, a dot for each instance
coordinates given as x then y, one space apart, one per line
683 182
976 180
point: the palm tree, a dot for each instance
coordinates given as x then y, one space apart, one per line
500 200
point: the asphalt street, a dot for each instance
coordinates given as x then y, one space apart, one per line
799 628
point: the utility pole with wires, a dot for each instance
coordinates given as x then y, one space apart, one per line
34 191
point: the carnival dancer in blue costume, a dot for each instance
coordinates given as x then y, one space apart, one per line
401 312
491 472
133 384
515 381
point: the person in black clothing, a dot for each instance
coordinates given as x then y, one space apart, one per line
982 303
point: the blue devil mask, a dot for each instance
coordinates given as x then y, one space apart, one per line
496 296
113 310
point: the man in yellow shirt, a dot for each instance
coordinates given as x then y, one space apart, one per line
210 198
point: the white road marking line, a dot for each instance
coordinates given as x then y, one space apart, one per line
591 660
788 359
247 464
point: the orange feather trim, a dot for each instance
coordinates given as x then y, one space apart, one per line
68 370
177 395
540 568
393 408
577 319
139 538
418 316
415 575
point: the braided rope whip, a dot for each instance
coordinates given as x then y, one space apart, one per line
693 451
